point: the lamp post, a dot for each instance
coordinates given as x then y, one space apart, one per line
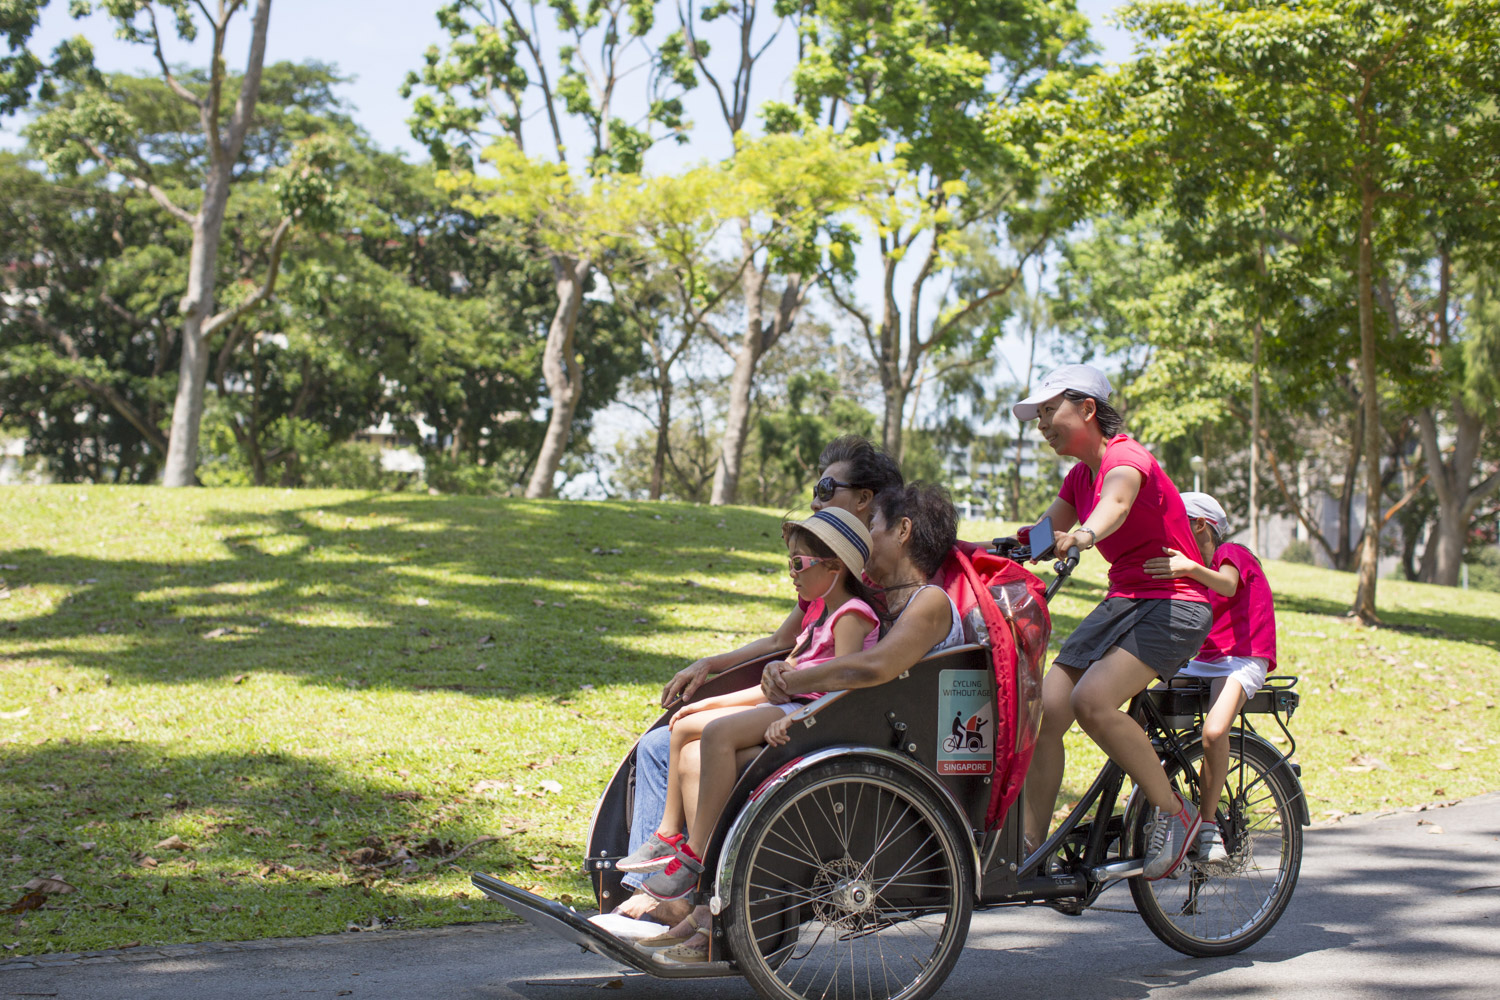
1198 466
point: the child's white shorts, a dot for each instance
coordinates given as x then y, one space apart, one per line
1247 671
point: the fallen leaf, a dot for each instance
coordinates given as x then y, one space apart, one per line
422 602
147 862
240 679
87 845
257 831
559 604
30 901
173 843
490 785
488 640
49 886
18 713
1447 767
217 633
539 602
550 786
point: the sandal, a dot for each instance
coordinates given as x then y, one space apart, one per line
663 942
685 953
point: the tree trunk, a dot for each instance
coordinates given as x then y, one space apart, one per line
1254 545
561 370
1442 562
663 429
1343 558
1369 557
737 419
895 405
181 467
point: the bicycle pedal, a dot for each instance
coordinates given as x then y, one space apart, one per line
1072 907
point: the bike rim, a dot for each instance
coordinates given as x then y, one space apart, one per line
1220 905
852 891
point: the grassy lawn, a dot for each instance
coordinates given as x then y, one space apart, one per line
324 696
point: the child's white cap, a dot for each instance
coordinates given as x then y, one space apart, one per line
1204 506
844 534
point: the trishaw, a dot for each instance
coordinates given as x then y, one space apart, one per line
849 860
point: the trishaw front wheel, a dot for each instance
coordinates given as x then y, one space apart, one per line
1205 910
852 882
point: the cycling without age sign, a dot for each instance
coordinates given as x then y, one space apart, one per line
966 723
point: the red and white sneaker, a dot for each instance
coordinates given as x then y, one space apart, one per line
652 856
1169 837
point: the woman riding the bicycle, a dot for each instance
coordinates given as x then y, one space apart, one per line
1146 628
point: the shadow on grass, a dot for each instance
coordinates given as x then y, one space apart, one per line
489 597
276 844
1432 622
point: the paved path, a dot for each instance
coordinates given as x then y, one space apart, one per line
1389 906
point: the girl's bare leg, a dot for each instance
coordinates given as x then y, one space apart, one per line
722 741
1109 683
643 905
1045 776
688 730
691 765
1227 698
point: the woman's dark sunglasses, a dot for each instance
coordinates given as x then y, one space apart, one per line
826 487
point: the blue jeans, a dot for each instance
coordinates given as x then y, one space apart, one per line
651 756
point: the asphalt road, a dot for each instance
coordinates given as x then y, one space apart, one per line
1396 905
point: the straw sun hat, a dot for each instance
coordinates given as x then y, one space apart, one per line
842 532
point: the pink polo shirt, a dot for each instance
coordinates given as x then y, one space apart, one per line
1156 519
1245 624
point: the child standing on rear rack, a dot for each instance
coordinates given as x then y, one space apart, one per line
1238 653
827 554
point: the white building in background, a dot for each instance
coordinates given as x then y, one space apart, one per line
981 486
13 463
397 453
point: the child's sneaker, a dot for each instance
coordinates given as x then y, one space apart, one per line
679 878
652 856
1210 851
1168 838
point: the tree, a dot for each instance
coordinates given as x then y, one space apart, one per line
912 76
793 259
1461 320
112 306
498 70
1352 116
87 125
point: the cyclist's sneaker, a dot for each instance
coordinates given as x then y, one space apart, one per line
679 878
1169 837
652 856
1210 851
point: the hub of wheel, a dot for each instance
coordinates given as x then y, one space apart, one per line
843 898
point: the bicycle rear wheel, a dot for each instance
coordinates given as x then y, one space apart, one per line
852 883
1205 912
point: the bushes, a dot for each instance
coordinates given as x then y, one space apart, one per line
1297 551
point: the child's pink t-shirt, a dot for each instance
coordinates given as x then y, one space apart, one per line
816 640
1156 519
1245 624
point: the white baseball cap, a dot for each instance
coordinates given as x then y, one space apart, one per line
1080 378
1204 506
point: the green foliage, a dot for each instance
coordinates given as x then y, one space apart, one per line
1297 551
1484 567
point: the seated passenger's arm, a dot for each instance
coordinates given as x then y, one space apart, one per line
923 624
690 678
